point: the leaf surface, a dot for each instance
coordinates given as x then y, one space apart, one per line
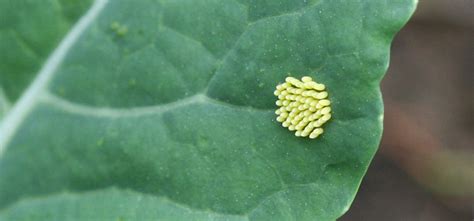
165 110
29 31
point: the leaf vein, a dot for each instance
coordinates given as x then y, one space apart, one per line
29 99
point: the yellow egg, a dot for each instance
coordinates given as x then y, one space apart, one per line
304 106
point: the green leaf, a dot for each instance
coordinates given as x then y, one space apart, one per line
29 31
165 110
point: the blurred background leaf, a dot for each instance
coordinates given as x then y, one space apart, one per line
424 170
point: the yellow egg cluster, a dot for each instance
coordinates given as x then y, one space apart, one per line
304 106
